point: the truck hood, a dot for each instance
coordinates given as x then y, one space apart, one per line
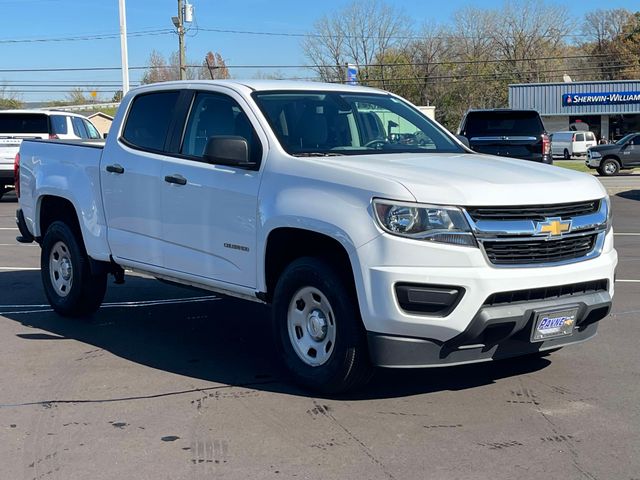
476 180
605 148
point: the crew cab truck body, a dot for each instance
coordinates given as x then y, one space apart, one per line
609 159
375 235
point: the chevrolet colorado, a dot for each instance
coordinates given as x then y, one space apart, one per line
375 235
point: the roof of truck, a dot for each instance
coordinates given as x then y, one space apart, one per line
271 85
42 112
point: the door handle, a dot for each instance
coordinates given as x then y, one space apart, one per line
115 168
176 179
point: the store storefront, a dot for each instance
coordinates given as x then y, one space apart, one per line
609 109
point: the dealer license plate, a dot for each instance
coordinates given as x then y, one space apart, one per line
559 323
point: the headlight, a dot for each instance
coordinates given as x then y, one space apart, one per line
593 154
424 222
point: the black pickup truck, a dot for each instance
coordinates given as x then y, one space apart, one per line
610 159
507 133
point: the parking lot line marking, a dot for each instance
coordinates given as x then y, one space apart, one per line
19 245
8 228
627 281
14 269
627 234
143 303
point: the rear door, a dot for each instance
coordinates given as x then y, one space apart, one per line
209 212
131 176
508 133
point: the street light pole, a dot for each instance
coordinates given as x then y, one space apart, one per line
180 26
123 48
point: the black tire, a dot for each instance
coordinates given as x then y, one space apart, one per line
566 155
609 167
83 294
347 366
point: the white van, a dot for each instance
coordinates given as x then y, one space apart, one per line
571 144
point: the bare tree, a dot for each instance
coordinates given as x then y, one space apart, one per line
603 31
360 33
213 67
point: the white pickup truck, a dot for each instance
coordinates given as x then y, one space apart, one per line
375 235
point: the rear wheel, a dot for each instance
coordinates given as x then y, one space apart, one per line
318 328
608 167
70 287
566 155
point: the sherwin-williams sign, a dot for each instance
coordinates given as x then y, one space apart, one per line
610 98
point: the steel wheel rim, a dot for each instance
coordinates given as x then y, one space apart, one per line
610 167
61 269
311 325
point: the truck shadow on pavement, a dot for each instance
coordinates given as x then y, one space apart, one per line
630 194
202 336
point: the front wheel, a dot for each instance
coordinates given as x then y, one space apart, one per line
318 328
609 167
68 283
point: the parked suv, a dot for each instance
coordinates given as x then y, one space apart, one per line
17 125
610 159
507 133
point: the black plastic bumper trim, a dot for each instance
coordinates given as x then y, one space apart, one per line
425 299
494 333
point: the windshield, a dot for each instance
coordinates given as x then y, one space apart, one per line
502 124
625 139
335 123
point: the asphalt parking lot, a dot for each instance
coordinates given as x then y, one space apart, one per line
169 383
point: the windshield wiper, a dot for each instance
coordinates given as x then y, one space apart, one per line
317 154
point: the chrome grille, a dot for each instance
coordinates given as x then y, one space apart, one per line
534 251
534 212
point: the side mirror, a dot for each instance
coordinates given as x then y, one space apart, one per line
464 140
228 150
104 136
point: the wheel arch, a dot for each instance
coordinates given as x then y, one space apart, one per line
286 244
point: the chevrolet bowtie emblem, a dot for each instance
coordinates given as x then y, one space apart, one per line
554 227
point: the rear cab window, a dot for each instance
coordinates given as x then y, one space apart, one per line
502 123
78 127
149 119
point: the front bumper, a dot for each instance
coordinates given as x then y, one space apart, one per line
494 333
388 261
593 162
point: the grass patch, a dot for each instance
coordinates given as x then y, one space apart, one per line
577 165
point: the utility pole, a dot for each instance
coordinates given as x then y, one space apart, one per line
180 26
123 48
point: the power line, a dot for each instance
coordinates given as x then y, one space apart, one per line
107 36
395 64
368 37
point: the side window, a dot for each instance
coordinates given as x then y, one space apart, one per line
91 130
78 127
215 114
580 137
149 120
59 125
636 140
590 136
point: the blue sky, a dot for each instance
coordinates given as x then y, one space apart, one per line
45 19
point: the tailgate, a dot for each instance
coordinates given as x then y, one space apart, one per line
8 149
517 147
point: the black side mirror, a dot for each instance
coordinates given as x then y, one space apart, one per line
104 135
464 140
228 150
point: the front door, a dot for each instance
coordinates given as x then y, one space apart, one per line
209 211
631 152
